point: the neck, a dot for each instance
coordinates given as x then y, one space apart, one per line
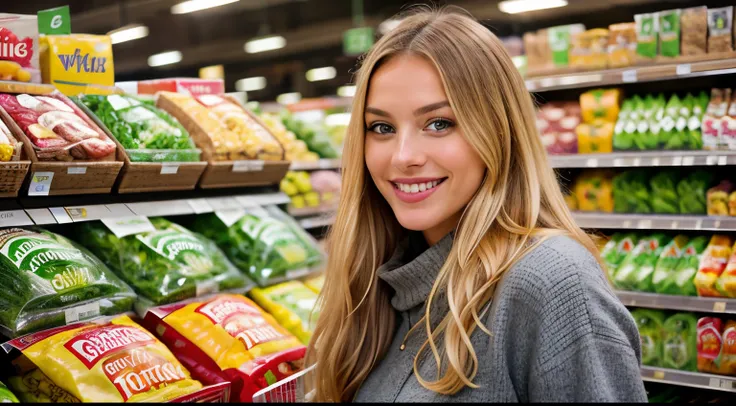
434 234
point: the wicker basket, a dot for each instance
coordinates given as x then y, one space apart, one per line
136 177
223 174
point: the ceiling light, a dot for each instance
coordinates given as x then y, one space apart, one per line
265 44
338 119
197 5
346 91
251 84
326 73
523 6
128 33
164 58
289 98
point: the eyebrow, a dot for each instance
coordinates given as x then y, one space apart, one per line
418 112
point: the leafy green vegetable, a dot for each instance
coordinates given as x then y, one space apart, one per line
44 275
679 342
616 249
666 264
649 322
146 132
640 263
679 281
166 265
317 139
692 191
631 192
664 192
263 242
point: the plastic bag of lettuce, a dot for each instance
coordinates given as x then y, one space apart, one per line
163 261
49 281
264 242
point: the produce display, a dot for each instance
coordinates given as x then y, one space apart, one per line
316 138
49 281
668 340
147 133
228 338
315 189
675 275
114 361
292 304
230 130
265 243
164 262
296 149
635 272
57 128
616 249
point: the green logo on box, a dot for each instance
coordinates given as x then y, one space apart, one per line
55 21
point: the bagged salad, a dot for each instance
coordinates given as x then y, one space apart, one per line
114 360
147 133
263 242
679 280
163 261
679 342
650 323
228 338
638 266
666 264
616 250
292 304
49 281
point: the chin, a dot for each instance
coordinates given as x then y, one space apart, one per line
416 220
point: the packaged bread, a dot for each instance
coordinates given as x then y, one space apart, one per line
694 30
621 45
712 264
720 26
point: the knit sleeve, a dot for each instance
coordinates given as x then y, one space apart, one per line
587 347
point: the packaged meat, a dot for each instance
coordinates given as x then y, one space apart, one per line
711 126
720 36
57 128
710 341
556 123
74 62
712 264
114 360
228 338
694 30
19 48
292 304
621 45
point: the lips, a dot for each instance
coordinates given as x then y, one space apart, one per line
416 189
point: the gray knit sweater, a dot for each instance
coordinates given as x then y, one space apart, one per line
559 332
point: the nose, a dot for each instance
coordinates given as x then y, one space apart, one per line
409 151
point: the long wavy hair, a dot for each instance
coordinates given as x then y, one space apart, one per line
518 204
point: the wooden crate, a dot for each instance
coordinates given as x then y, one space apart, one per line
137 177
222 173
74 177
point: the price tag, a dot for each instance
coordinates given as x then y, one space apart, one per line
637 162
655 161
13 218
628 76
60 214
719 307
169 169
645 224
677 161
241 166
229 217
206 287
722 160
658 374
41 216
683 69
626 224
698 224
82 312
119 210
721 383
125 226
591 163
688 161
619 162
77 170
675 224
711 160
717 224
200 206
257 165
40 184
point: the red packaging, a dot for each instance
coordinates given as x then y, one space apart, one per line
710 340
228 338
191 86
556 123
19 48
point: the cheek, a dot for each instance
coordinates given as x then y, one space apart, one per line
459 158
377 157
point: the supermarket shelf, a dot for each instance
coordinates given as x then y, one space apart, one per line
644 159
310 211
317 221
672 302
53 214
634 74
654 221
691 379
313 166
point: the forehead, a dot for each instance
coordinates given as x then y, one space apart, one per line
405 81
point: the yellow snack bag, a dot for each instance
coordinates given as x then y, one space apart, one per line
117 361
315 283
228 338
74 62
292 304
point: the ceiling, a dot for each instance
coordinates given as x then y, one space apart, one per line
313 30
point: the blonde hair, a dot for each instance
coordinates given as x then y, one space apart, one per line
518 199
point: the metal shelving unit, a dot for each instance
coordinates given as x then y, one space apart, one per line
654 221
644 159
316 221
673 302
691 379
313 166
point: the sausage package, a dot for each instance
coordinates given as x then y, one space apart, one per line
292 304
114 360
228 338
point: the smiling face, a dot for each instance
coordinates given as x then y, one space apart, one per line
415 150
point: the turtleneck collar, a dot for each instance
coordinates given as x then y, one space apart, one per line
412 278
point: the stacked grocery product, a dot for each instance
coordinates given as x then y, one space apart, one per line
556 123
316 138
296 149
315 189
599 109
682 265
661 36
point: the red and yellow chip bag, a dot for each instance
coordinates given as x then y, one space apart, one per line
228 338
115 361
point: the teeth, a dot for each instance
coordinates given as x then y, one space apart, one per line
417 187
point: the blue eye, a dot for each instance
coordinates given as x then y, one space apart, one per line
440 125
381 128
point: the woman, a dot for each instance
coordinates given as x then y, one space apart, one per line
455 270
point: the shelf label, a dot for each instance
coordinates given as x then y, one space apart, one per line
711 160
628 76
40 184
230 217
722 160
675 223
655 161
76 170
719 307
122 227
637 162
683 69
200 206
658 374
82 312
626 224
645 224
688 161
119 210
41 216
591 163
60 214
13 218
169 169
619 162
248 165
721 383
677 161
699 224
